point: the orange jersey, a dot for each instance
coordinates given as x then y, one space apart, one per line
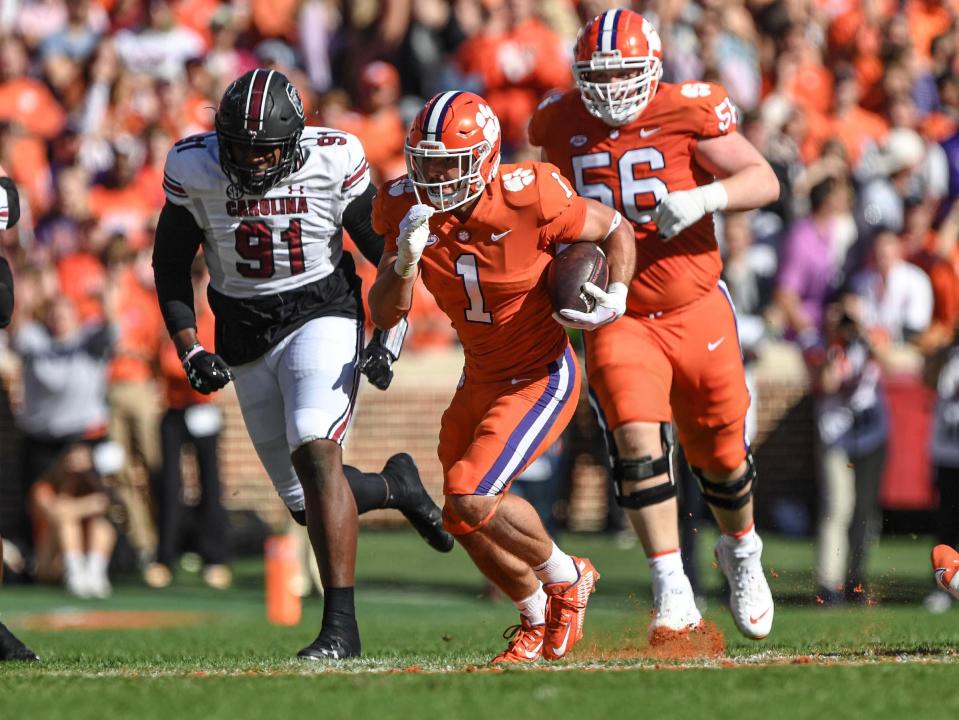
488 273
633 167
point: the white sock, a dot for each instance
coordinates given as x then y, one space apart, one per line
558 568
745 543
97 565
73 566
533 608
667 572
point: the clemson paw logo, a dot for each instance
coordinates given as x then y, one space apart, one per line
489 122
518 179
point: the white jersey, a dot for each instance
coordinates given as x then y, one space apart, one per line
289 237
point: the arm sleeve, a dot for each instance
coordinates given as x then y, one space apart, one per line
6 293
178 238
358 222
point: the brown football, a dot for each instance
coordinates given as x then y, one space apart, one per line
576 265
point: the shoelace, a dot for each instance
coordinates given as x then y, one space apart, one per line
516 634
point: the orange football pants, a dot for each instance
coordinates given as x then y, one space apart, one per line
684 365
492 431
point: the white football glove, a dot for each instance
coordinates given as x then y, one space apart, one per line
414 233
680 209
610 305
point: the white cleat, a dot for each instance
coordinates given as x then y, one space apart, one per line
750 599
675 611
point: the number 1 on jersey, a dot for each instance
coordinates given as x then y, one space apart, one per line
466 269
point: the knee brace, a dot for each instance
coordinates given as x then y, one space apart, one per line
457 526
726 495
643 469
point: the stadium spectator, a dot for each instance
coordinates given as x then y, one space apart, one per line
896 295
813 257
64 381
190 419
516 58
74 538
852 424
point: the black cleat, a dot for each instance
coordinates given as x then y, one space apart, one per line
12 649
415 503
329 646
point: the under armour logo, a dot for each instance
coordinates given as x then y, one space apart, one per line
296 189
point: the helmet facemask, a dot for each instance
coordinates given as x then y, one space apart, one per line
620 101
253 180
446 194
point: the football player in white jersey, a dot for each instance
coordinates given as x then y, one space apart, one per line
10 647
268 200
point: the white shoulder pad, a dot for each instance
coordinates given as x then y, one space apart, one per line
191 166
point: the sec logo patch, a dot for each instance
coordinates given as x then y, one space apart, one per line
432 239
578 140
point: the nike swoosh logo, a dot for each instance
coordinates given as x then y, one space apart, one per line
754 620
516 381
534 653
561 650
713 345
644 133
496 237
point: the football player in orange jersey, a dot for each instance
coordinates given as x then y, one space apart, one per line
653 151
482 236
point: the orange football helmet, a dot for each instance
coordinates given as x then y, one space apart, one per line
452 149
619 61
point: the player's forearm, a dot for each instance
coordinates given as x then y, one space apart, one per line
754 186
620 249
605 226
185 339
391 295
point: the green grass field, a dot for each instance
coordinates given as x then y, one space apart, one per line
428 633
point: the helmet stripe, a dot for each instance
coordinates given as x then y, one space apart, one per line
606 42
437 113
256 101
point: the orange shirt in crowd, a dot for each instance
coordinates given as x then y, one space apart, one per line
811 88
516 68
82 278
27 165
857 128
179 393
125 209
382 135
28 102
927 20
196 15
140 327
275 18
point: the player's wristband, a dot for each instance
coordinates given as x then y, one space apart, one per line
191 351
715 196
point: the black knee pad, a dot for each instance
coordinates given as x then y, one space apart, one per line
643 469
726 495
299 516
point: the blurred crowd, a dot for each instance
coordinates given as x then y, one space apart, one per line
855 105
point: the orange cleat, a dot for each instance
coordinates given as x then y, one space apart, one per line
945 565
525 646
566 610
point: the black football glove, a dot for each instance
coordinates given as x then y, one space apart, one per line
384 348
206 371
